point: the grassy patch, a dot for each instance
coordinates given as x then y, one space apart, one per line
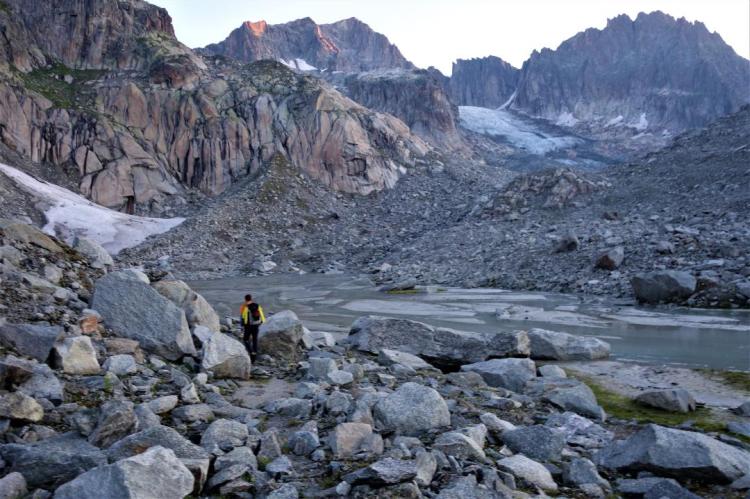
50 82
622 407
403 292
4 7
736 379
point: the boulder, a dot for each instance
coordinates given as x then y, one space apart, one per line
388 357
224 435
280 336
320 367
537 442
133 309
387 471
304 441
15 371
495 425
580 471
340 378
459 445
466 487
153 474
76 355
553 345
162 405
567 394
669 489
437 345
676 453
226 357
20 407
94 252
121 365
529 471
28 234
240 456
412 410
511 374
197 310
13 486
43 384
349 439
663 286
290 407
611 259
673 400
318 339
116 420
580 431
53 461
551 371
31 340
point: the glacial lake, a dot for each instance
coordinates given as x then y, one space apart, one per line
670 336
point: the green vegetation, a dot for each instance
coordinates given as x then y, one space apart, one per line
404 292
622 407
736 379
50 82
4 7
263 462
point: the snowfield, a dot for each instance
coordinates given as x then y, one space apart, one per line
502 123
69 215
298 64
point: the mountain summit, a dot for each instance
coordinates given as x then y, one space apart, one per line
348 45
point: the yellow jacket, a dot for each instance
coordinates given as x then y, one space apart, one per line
247 318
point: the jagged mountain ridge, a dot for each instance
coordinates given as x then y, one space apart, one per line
485 82
348 45
148 118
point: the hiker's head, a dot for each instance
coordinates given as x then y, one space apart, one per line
248 298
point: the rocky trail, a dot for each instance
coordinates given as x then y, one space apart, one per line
130 383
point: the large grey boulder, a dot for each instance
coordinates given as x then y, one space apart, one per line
537 442
676 453
512 374
373 333
226 357
674 400
94 252
528 471
197 310
553 345
663 286
154 474
135 310
567 394
53 461
281 335
31 340
412 410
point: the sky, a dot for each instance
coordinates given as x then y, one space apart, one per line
437 32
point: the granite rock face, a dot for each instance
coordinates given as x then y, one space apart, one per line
484 82
653 71
348 45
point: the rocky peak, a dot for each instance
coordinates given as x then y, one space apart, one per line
485 82
653 72
256 28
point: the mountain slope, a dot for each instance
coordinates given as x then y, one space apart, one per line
652 72
484 82
348 45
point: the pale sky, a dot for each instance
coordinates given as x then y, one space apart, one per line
437 32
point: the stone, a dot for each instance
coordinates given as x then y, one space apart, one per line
163 405
580 431
20 407
340 378
611 259
290 407
270 448
194 412
133 309
31 340
663 286
124 346
529 471
223 435
447 346
226 357
537 442
156 473
15 371
466 487
676 453
238 456
76 355
43 384
145 417
94 252
349 439
286 491
550 371
553 345
388 357
121 365
281 335
13 486
511 374
459 445
567 394
411 410
387 471
639 486
198 311
116 420
189 394
281 466
53 274
53 461
320 367
28 234
669 489
339 403
304 441
673 400
739 428
495 425
307 390
743 409
318 339
580 471
426 467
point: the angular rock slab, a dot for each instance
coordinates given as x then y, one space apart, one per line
32 340
412 410
663 286
676 453
673 400
528 470
511 374
226 357
154 474
76 355
197 310
553 345
387 471
281 335
133 309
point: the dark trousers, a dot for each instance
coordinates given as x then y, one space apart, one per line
250 337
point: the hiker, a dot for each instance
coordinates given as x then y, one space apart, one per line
251 315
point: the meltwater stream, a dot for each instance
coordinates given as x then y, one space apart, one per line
680 337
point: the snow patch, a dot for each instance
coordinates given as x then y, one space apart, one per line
615 121
522 134
508 102
69 215
298 64
566 119
642 123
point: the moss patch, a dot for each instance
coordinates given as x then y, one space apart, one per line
50 82
622 407
4 7
404 292
736 379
